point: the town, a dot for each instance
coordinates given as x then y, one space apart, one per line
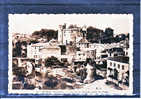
70 57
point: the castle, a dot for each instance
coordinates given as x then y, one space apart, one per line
71 34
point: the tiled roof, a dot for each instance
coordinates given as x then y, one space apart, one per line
121 59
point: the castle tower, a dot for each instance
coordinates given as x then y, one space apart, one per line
84 30
60 34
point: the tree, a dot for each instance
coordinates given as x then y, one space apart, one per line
18 71
17 49
93 34
46 33
52 61
117 39
109 32
33 41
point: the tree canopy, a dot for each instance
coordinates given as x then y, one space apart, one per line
93 34
52 61
46 33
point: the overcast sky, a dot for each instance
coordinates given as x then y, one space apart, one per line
28 23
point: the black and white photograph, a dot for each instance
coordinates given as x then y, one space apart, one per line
87 54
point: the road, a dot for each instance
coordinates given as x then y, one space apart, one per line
99 87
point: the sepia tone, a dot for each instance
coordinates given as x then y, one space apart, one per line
71 57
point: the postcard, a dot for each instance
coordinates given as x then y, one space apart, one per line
76 54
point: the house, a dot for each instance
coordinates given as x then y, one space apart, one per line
68 54
44 50
101 72
125 46
82 43
118 70
84 50
112 52
33 50
102 49
116 51
51 48
81 56
126 50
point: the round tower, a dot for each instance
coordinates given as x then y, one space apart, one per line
60 34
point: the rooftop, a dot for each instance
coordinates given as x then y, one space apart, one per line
121 59
83 40
51 44
118 49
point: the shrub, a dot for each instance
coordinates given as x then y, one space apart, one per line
52 82
52 61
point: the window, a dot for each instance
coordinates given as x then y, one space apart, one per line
122 67
110 63
104 56
118 66
64 59
35 56
110 54
78 49
114 64
63 50
87 45
115 55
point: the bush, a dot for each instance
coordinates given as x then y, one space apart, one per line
52 82
18 71
28 86
68 80
52 61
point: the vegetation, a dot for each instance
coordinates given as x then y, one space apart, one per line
46 33
93 34
17 50
19 71
52 61
52 82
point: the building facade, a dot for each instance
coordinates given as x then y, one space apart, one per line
68 35
118 71
43 50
